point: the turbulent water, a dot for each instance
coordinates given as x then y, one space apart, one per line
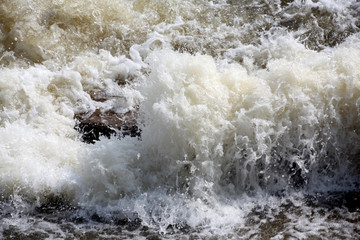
249 114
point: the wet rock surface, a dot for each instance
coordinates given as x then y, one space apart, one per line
107 124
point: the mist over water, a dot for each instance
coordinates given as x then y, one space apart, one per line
248 111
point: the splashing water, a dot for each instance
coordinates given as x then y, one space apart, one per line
248 113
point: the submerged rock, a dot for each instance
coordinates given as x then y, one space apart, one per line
107 124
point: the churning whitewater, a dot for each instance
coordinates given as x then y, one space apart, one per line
246 116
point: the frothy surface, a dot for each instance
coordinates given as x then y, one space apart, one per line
248 115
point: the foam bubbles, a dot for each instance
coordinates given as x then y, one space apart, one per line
247 111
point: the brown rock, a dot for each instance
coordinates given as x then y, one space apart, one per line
107 124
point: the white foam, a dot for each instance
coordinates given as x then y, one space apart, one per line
243 112
40 146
